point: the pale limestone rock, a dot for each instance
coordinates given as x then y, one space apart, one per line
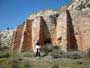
62 31
6 37
43 13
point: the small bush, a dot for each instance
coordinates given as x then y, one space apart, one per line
22 65
79 62
57 52
88 5
56 48
55 66
15 64
4 54
27 64
73 55
45 51
27 54
86 53
22 54
13 54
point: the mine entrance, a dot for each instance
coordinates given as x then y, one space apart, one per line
48 43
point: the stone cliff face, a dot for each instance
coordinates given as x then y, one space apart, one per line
81 23
69 29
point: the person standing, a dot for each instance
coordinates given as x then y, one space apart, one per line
37 50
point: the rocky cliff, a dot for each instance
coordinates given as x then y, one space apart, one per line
68 28
80 15
6 38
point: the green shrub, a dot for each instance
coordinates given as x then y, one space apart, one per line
88 5
27 64
87 53
73 55
45 51
79 62
27 54
55 66
22 65
16 63
56 48
57 52
13 54
22 54
4 54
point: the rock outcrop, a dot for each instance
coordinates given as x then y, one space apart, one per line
80 14
69 29
6 38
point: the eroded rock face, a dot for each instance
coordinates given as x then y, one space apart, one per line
62 31
80 12
6 38
69 29
81 23
35 31
17 36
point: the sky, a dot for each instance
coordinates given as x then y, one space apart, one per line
15 12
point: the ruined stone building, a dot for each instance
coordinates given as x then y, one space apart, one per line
69 29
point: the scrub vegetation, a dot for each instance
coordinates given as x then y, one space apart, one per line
55 58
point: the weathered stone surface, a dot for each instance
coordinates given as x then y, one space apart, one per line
43 32
23 37
6 38
27 40
69 28
17 38
81 23
80 11
44 13
80 5
51 25
36 31
62 31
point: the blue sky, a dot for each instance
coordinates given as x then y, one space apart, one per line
15 12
